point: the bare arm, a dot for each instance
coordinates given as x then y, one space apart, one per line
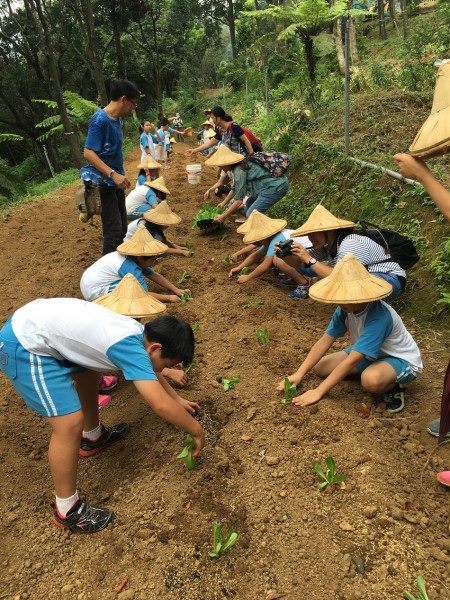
205 146
320 269
244 139
317 352
230 211
262 268
165 283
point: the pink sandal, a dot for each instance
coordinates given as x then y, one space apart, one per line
444 478
107 383
103 400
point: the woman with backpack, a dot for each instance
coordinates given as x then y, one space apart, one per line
230 134
249 179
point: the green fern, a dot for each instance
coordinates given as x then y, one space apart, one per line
10 137
79 110
48 103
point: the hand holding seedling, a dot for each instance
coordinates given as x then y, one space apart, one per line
191 407
289 390
243 278
219 219
185 296
309 397
187 454
233 271
291 378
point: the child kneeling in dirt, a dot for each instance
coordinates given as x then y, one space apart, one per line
382 351
52 350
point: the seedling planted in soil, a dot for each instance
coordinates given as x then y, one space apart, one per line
186 297
195 327
222 542
262 335
207 211
420 582
244 271
329 476
186 454
228 261
289 391
229 383
253 303
184 277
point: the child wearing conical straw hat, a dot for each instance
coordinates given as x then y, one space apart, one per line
148 170
382 351
136 256
262 235
145 197
156 220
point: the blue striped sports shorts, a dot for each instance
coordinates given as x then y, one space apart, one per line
44 382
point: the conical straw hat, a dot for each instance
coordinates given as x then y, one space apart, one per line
321 220
207 122
262 227
142 243
350 283
172 140
129 298
158 184
149 163
433 137
245 227
224 157
210 133
162 214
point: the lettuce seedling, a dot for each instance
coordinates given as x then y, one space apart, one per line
244 271
186 454
222 542
229 383
253 303
329 476
195 327
207 211
186 297
262 335
184 277
227 261
289 391
420 582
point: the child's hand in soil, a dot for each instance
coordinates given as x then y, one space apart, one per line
179 292
199 439
176 375
243 278
173 298
219 219
309 397
191 407
233 271
292 379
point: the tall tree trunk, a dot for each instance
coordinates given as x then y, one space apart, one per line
381 19
121 70
404 18
337 35
93 51
232 26
308 45
51 56
353 46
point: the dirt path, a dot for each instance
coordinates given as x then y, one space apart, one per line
389 519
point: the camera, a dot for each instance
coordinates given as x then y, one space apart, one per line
284 248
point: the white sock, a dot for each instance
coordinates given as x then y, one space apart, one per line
63 505
94 434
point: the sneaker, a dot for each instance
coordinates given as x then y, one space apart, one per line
394 399
103 400
83 518
107 383
433 428
300 292
109 436
240 219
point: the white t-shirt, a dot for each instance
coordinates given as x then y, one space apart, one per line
133 227
151 147
85 334
136 197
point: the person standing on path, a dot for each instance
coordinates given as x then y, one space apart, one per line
103 151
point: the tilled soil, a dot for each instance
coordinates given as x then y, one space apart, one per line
366 539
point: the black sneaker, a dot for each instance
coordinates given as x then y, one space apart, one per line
394 399
83 518
109 436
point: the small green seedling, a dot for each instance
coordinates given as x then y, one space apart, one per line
190 367
195 327
289 391
186 297
189 246
253 303
186 454
207 211
420 582
222 542
262 335
229 383
224 236
244 271
329 476
184 277
228 261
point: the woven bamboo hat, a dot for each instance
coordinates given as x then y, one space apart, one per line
158 184
172 140
350 283
433 138
142 243
162 214
321 220
245 227
210 133
149 163
189 131
224 157
262 227
129 298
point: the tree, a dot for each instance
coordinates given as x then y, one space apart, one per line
225 12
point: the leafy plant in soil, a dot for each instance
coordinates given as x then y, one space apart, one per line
420 582
329 476
195 327
289 391
227 261
186 454
262 335
222 542
184 277
207 211
244 271
229 383
253 303
186 297
190 367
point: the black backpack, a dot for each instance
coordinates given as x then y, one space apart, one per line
401 249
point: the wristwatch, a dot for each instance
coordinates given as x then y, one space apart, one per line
312 261
111 173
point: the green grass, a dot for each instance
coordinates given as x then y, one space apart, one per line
50 185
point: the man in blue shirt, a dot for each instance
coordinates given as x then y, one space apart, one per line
103 150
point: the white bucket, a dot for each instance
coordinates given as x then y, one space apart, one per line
194 173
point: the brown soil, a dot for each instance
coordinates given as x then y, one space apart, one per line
367 539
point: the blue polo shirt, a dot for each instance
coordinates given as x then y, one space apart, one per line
105 138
